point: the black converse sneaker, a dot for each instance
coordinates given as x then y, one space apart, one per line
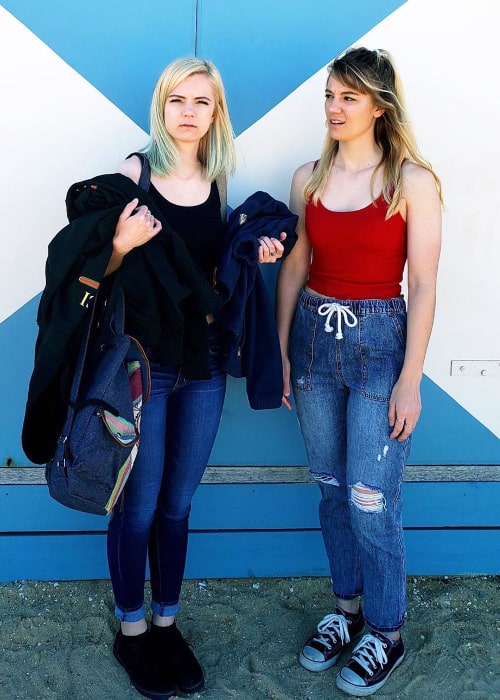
334 632
371 664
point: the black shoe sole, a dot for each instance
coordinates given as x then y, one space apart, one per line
192 689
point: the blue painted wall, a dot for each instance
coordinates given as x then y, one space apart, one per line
79 79
264 54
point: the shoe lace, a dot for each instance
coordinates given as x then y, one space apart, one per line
370 652
331 628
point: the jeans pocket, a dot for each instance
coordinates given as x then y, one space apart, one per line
399 321
382 350
301 347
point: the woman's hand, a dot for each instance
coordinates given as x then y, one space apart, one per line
271 249
135 227
286 384
404 408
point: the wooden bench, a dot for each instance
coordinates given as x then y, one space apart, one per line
257 521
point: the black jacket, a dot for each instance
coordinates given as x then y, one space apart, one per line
247 313
159 275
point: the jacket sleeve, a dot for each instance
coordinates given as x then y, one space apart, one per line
261 353
76 262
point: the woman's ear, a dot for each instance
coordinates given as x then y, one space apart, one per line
378 113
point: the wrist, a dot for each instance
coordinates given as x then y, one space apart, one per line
411 376
117 253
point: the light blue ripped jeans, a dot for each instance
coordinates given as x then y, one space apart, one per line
342 387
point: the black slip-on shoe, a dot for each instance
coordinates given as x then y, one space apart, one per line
179 657
147 674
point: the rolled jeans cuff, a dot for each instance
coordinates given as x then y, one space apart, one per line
129 615
164 610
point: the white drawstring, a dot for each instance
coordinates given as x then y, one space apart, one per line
344 314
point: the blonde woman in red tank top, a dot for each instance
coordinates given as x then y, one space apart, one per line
353 351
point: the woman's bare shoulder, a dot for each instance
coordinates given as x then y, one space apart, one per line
416 177
304 170
300 177
131 167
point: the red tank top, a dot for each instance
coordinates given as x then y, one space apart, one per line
356 254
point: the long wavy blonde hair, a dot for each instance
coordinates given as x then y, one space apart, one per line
217 151
372 72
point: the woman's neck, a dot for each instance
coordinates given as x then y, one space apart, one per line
356 157
187 171
188 166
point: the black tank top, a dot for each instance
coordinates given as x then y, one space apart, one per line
200 226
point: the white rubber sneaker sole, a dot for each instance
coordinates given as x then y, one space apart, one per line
360 691
318 666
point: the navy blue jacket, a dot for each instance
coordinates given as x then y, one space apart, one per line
247 313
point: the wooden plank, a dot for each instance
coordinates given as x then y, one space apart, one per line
24 509
262 507
257 474
447 504
240 554
434 552
453 552
452 472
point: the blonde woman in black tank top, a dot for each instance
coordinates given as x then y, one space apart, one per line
191 149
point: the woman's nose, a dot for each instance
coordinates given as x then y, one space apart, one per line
333 105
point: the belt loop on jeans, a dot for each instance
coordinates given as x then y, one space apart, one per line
344 315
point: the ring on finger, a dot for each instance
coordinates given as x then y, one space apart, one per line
400 420
272 254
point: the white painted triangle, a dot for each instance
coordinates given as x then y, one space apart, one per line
449 73
56 129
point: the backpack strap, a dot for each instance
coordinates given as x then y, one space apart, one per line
145 176
221 182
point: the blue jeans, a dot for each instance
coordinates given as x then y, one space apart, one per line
178 428
342 388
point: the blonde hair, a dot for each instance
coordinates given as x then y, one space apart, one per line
373 73
217 151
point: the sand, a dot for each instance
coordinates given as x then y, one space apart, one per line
56 637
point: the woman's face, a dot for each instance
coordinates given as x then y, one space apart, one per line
189 109
349 113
